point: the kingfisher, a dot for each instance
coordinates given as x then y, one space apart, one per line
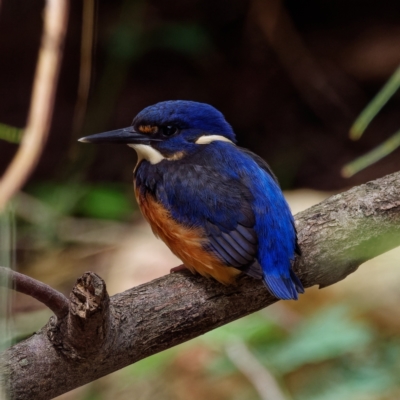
217 206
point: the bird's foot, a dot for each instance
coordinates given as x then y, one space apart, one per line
179 268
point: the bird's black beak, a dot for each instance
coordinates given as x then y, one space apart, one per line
125 135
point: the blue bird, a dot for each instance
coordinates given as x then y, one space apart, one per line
217 206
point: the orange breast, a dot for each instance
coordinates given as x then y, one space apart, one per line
186 243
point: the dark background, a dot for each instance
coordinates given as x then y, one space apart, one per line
291 94
291 77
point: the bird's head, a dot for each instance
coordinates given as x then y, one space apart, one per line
170 129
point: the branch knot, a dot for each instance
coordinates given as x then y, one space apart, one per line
85 329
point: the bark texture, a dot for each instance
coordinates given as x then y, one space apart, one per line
101 335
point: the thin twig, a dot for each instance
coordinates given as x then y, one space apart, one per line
50 297
259 376
42 101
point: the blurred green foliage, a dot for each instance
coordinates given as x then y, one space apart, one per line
328 356
103 200
328 334
10 133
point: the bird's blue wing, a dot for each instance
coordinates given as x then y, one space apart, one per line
276 231
217 202
264 165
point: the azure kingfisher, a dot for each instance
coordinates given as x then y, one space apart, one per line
217 206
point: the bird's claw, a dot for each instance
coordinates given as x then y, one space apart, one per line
179 268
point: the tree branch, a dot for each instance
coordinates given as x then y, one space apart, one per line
336 236
50 297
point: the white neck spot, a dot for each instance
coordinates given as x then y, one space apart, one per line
206 139
146 152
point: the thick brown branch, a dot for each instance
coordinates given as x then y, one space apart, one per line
336 236
50 297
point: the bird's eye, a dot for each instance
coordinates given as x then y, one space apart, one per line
169 130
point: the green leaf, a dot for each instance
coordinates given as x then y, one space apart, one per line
387 147
375 105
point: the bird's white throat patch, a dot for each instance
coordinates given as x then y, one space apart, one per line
206 139
146 152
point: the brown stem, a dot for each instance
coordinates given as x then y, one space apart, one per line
50 297
42 101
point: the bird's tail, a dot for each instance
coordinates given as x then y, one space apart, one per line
284 288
